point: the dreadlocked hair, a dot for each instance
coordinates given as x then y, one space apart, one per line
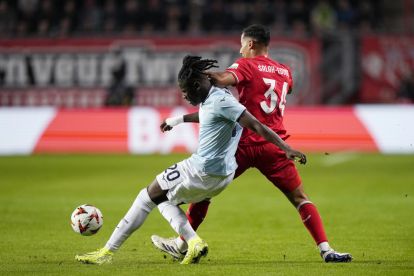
194 67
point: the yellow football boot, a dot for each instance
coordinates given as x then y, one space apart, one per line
100 256
197 248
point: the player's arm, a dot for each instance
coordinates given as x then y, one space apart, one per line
249 121
191 118
222 78
169 123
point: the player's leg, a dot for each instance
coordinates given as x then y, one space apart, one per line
283 174
184 184
133 219
310 216
195 188
146 200
197 248
313 222
177 246
196 212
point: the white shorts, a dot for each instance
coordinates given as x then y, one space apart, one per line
187 185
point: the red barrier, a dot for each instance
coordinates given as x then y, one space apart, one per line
327 129
137 130
102 130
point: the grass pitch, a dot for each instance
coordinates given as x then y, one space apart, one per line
366 202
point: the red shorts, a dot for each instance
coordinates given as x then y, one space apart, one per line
271 162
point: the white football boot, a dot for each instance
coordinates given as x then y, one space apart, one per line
169 246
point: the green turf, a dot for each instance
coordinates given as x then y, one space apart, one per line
366 201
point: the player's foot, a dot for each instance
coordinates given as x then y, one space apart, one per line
332 256
197 248
169 246
100 256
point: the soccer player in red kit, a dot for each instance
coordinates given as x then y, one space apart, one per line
262 84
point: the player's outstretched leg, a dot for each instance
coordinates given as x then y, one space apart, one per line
197 248
169 246
100 256
313 222
134 218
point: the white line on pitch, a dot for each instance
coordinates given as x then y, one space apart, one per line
339 158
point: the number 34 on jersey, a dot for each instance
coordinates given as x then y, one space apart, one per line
270 104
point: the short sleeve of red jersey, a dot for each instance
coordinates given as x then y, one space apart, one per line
240 70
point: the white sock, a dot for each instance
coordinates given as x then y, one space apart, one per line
324 246
181 244
177 219
133 219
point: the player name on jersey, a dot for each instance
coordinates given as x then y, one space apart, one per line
273 69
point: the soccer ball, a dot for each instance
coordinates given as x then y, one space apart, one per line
86 220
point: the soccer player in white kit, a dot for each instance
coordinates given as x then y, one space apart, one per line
203 175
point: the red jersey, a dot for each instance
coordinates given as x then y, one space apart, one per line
262 84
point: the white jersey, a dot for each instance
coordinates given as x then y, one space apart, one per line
208 171
219 133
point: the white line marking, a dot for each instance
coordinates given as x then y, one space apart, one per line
339 158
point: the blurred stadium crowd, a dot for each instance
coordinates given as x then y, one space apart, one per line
341 51
52 18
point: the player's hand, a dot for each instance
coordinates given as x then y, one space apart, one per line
169 123
296 156
165 127
211 78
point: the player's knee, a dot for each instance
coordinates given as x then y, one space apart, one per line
301 197
297 196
